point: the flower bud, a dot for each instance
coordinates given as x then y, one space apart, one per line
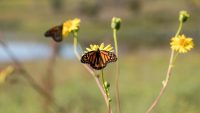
116 23
109 99
183 16
107 85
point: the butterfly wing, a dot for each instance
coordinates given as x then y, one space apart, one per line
87 58
102 59
55 32
107 56
93 59
98 63
98 60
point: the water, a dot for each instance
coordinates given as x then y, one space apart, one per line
25 51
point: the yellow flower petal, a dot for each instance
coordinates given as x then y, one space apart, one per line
76 22
100 47
108 46
91 46
88 49
65 32
95 47
70 25
181 44
110 49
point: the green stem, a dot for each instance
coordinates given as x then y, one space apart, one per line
179 29
103 82
115 41
117 71
174 59
75 45
106 91
104 86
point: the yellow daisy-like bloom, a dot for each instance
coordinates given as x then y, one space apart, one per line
101 47
70 25
181 44
5 73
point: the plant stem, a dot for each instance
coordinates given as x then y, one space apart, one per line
179 29
117 72
75 46
168 75
103 82
115 41
165 82
48 80
107 93
90 71
30 79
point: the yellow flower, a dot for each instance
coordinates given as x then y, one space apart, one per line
181 44
101 47
70 25
5 73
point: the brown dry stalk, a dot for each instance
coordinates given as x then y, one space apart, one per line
164 83
30 79
48 80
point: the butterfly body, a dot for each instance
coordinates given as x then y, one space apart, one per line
98 59
55 32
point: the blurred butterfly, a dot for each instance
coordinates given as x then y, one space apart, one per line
98 59
55 33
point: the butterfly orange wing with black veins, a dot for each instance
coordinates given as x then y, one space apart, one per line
98 59
55 32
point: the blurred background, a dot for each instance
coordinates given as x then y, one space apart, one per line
147 26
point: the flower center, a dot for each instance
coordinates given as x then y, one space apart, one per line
183 42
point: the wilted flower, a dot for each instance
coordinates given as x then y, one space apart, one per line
181 44
70 25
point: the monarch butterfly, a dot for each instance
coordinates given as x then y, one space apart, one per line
55 32
98 59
